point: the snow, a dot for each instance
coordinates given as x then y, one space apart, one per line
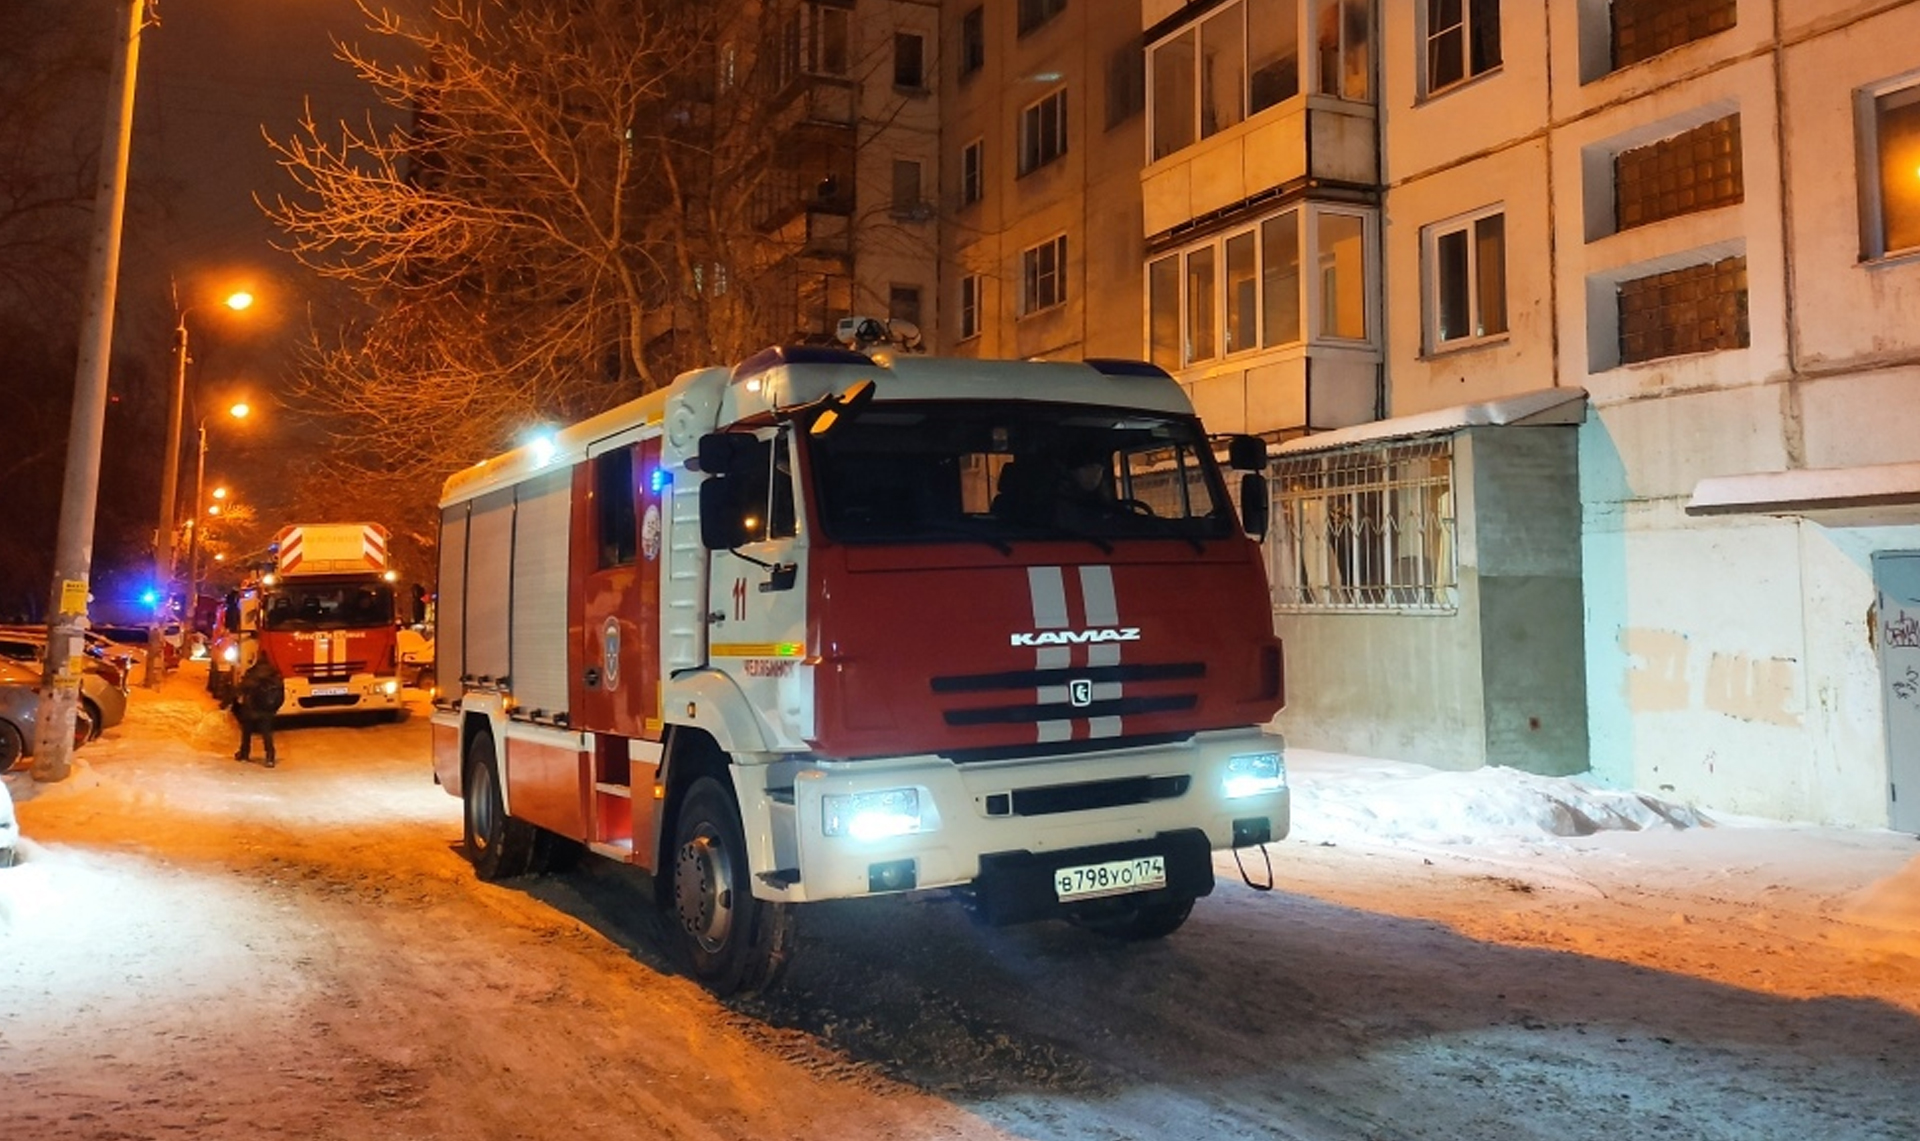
197 947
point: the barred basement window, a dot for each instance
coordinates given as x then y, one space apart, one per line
1365 528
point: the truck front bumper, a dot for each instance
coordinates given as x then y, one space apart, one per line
1004 829
359 694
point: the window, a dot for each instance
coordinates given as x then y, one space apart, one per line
1280 279
1366 528
907 202
1043 132
1043 276
972 176
1697 169
1126 83
909 53
614 507
1890 166
1343 59
903 303
973 41
1034 13
1466 264
758 489
1229 295
1643 29
1463 41
819 40
1240 60
1702 308
1341 239
970 306
1201 317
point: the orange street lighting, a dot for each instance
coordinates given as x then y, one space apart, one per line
239 412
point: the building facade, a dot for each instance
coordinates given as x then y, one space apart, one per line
1582 332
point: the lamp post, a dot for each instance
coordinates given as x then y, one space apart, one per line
239 411
79 494
169 492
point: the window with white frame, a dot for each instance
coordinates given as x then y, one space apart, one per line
972 172
1244 289
1043 276
819 41
1043 131
969 323
1238 60
1343 53
1890 168
1369 527
1466 279
1463 41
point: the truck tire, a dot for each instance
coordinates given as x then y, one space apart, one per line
730 941
1137 922
499 846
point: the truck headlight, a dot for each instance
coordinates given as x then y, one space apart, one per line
871 815
230 655
1250 774
389 687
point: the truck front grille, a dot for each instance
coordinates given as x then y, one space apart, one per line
1028 683
330 671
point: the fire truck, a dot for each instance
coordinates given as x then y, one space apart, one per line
832 624
324 611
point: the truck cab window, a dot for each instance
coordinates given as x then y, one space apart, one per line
762 483
614 507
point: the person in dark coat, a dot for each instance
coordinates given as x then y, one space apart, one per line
256 698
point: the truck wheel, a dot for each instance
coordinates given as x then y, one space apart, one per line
731 942
499 846
1138 921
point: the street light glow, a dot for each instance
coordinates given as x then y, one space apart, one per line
219 493
238 300
240 410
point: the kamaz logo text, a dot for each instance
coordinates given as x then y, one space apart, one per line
1078 637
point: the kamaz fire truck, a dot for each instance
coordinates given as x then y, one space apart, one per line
324 612
832 624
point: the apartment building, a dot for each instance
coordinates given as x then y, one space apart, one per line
1582 331
1043 112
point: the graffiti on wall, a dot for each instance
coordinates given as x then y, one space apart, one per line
1903 632
1662 676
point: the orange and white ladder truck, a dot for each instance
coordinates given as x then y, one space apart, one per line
324 611
833 624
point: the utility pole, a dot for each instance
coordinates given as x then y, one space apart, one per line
73 550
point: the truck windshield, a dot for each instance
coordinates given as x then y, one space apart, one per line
1004 473
331 606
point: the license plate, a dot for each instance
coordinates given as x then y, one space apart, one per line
1115 877
329 691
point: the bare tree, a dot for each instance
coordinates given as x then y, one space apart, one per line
555 217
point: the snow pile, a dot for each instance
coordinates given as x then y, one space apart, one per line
1350 799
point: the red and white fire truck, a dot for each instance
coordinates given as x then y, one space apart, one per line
832 624
324 612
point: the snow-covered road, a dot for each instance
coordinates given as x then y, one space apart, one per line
199 948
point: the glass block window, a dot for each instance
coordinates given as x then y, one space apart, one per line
1643 29
1699 309
1695 170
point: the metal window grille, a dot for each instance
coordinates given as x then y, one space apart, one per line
1367 528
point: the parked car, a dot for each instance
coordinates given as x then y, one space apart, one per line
103 692
19 713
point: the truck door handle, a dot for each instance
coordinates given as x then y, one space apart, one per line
593 677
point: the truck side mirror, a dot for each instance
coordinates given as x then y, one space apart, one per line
416 605
1247 453
1253 504
721 452
721 527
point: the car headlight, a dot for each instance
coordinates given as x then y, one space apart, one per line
1250 774
872 815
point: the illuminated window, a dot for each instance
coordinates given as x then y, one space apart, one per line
1890 169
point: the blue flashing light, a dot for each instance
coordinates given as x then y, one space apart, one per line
150 597
660 479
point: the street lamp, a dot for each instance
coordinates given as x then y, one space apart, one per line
169 487
239 411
